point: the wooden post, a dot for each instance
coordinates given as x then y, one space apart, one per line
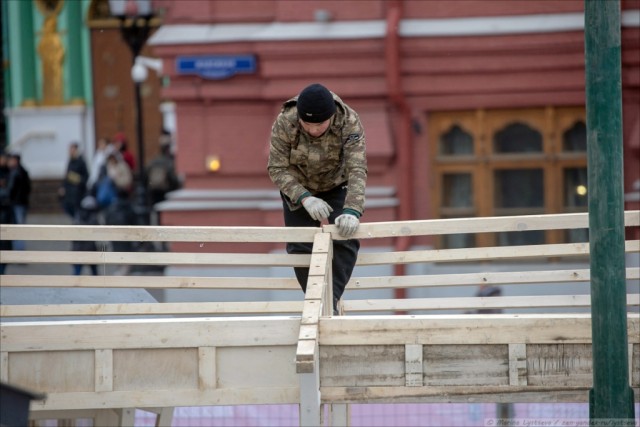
318 301
611 396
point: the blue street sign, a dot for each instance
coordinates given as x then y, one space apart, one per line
216 67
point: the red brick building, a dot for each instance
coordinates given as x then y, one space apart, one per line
470 108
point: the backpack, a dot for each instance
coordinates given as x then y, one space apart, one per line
158 178
106 192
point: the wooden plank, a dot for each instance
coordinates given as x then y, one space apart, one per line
155 369
460 364
469 329
4 366
104 370
126 417
309 380
455 394
33 370
635 365
345 365
484 278
630 358
482 253
149 333
517 364
261 367
311 312
165 398
559 365
375 230
315 288
308 332
306 356
128 309
413 365
207 378
150 282
154 258
164 233
165 417
105 418
340 415
471 303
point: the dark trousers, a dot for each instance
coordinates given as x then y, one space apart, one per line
345 252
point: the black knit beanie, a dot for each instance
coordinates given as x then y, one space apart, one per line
315 104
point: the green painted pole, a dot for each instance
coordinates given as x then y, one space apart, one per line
611 396
74 44
27 53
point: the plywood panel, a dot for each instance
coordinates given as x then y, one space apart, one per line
163 369
635 366
366 365
150 333
242 367
559 364
469 365
52 371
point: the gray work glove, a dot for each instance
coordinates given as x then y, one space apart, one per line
347 224
317 208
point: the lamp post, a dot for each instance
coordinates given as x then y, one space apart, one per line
135 17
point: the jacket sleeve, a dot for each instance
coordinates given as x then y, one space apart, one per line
282 139
355 162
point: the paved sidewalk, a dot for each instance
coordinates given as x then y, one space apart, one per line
48 295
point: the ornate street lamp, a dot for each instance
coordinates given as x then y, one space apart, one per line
135 18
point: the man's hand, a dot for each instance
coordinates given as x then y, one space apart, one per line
347 224
317 208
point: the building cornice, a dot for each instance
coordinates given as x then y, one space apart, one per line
355 30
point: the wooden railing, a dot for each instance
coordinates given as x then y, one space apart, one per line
160 355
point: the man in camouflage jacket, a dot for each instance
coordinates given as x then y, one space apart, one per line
317 159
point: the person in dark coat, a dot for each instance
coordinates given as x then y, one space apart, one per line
6 211
19 193
74 185
87 214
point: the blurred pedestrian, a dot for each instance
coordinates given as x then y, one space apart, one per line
6 212
98 164
74 185
161 173
86 214
121 144
119 210
19 193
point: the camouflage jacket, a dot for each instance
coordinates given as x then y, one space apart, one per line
300 163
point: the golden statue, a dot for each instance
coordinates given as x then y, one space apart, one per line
51 53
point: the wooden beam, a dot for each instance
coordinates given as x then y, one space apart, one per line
207 377
128 309
150 282
483 278
517 364
413 365
483 254
374 230
471 303
166 398
158 234
104 370
310 414
4 366
154 258
454 394
468 329
150 333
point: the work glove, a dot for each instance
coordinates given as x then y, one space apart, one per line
347 224
317 208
